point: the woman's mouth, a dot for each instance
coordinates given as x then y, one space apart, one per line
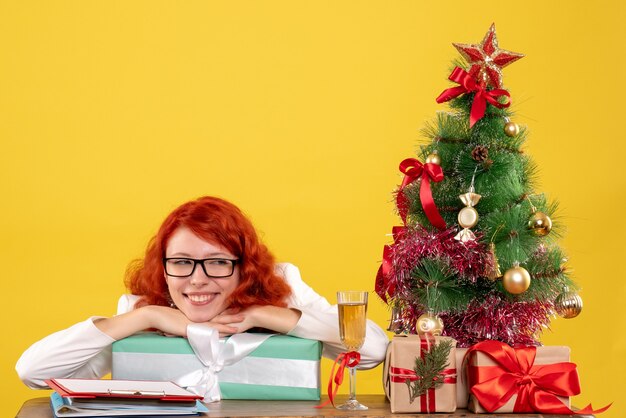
199 299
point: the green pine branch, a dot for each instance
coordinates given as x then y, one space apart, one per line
429 369
437 287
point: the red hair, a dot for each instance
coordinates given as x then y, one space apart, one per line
217 221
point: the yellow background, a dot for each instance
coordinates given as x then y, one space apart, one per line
114 112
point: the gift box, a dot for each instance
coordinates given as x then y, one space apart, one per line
406 388
462 391
502 379
275 367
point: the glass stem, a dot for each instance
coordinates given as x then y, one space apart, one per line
352 383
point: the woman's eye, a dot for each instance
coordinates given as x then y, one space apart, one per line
181 262
218 262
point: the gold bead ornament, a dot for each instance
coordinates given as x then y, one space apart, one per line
429 323
433 158
568 305
516 280
540 224
511 129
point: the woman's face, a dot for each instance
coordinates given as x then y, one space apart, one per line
199 297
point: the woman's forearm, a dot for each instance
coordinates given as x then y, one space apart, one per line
170 321
275 318
122 326
324 326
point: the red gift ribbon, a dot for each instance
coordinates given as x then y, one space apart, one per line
383 284
468 85
349 359
427 401
536 386
412 170
401 375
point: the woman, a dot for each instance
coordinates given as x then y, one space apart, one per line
205 265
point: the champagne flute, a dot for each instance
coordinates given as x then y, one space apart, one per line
352 325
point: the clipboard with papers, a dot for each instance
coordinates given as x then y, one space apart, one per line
111 398
132 389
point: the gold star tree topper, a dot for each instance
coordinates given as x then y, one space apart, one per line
487 59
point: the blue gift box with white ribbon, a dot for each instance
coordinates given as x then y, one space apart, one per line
244 366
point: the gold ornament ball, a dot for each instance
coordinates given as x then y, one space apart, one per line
511 129
568 305
516 280
433 158
540 224
429 323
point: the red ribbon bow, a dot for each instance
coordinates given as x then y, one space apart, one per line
412 170
537 386
468 85
383 284
349 359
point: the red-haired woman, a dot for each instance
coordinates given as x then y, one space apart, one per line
205 265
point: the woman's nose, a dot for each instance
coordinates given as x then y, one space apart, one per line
198 278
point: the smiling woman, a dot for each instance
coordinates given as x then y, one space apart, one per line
205 265
212 229
200 293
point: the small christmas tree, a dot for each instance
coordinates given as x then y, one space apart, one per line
477 254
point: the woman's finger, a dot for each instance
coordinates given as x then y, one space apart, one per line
225 330
227 319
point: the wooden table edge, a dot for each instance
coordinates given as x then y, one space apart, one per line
379 407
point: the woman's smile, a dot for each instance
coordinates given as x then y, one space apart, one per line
200 299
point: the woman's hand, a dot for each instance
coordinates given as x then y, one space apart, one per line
269 317
226 323
173 322
168 320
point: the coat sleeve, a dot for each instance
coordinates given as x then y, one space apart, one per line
320 321
80 351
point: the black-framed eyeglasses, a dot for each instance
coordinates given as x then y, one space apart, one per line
212 267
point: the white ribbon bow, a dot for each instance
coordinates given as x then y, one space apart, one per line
214 355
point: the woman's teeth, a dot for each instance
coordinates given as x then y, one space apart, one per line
200 298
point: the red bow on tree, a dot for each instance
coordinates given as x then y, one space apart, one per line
537 386
412 170
469 85
384 286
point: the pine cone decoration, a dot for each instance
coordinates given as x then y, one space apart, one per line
480 153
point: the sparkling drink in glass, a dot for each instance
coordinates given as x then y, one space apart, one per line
352 307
